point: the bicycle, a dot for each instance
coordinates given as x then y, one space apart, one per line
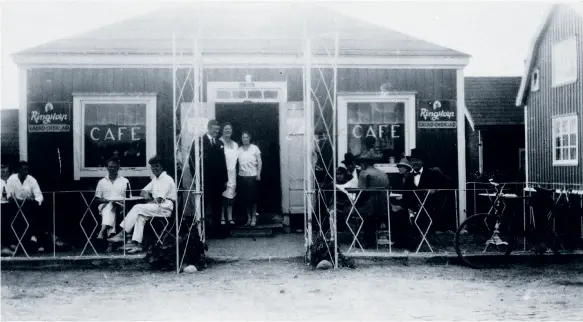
496 231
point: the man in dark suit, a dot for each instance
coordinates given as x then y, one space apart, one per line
214 171
424 182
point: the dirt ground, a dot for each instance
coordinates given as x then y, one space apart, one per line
292 291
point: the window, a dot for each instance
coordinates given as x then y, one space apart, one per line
109 125
382 121
564 62
535 80
565 140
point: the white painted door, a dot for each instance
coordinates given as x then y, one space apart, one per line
293 157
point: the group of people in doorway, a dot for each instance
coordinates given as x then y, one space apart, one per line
230 172
362 188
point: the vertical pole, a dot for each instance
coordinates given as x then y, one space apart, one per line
308 180
175 103
198 162
526 145
334 143
54 229
461 143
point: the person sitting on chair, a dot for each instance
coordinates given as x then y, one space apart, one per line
24 195
113 186
375 201
160 195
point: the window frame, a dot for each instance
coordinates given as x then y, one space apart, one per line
408 98
79 102
558 49
559 119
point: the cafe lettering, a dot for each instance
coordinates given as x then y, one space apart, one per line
116 133
376 130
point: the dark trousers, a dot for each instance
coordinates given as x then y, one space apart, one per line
30 210
213 196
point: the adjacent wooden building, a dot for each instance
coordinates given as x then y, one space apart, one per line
495 135
111 91
551 93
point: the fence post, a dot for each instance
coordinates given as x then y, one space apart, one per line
54 237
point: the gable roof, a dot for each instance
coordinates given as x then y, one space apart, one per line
490 100
264 28
578 8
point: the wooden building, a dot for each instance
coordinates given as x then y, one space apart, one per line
495 137
551 93
111 89
9 127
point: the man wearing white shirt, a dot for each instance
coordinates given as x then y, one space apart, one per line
7 216
113 186
160 195
24 193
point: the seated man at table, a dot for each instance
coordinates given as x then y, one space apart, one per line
160 195
24 195
113 186
424 184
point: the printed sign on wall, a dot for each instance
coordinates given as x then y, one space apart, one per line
436 115
49 117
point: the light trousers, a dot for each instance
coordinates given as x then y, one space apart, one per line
140 214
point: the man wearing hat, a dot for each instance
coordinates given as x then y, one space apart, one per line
349 163
423 181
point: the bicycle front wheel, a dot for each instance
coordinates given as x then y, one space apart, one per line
480 245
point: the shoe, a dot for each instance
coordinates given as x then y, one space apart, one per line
231 222
116 239
223 222
40 249
134 250
6 251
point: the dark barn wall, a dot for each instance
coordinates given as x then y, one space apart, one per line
549 102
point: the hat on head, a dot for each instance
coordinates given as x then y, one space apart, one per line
404 163
365 159
416 154
348 158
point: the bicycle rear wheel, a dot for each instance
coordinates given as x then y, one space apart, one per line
477 244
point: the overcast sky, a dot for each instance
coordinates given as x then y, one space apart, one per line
495 33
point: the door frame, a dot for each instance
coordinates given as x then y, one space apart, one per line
213 98
407 98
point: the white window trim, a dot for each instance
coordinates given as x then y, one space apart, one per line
407 98
79 101
554 145
561 82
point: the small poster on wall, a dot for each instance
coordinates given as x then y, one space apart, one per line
436 115
49 117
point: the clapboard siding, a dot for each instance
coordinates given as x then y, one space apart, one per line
59 84
548 102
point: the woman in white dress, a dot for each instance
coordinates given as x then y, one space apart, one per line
250 165
231 156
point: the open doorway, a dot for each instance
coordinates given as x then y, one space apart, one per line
262 121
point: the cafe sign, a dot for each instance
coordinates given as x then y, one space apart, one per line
436 115
49 117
